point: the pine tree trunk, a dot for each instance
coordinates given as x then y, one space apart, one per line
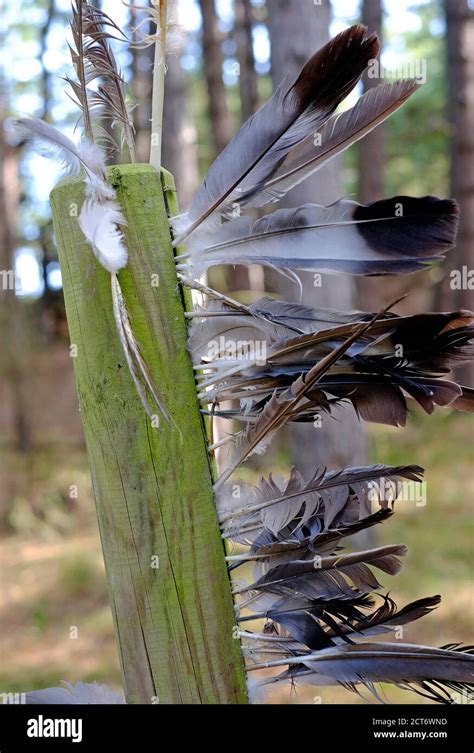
219 117
371 148
248 82
460 85
371 158
179 133
297 30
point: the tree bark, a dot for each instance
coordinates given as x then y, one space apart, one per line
297 30
179 133
141 84
371 148
219 117
460 82
370 153
248 80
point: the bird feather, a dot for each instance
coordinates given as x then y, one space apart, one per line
297 107
337 134
393 236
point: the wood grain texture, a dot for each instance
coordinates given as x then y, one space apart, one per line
152 486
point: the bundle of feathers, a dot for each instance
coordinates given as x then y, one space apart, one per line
322 607
319 609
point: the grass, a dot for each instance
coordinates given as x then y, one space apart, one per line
56 622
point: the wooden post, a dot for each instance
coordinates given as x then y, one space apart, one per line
168 585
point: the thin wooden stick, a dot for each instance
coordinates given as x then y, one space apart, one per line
158 95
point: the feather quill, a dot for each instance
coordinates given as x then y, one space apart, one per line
160 14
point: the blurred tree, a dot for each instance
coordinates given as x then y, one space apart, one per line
370 152
14 329
141 85
460 110
296 31
219 116
46 92
51 303
371 148
242 279
179 133
415 143
248 81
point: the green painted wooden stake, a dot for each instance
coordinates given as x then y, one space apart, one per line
164 557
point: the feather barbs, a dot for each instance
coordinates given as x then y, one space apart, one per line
100 224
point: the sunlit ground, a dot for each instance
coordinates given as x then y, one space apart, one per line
53 585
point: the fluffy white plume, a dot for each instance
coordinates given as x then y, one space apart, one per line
100 214
52 143
98 221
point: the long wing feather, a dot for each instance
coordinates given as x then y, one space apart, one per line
404 664
336 135
97 29
78 58
295 109
393 236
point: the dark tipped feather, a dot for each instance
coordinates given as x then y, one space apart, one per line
386 618
296 109
307 627
428 224
395 236
336 135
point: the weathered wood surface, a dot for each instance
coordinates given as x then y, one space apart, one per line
153 489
